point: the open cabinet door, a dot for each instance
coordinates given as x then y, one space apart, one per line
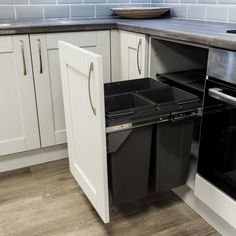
83 94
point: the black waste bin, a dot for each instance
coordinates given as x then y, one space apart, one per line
172 140
129 153
128 150
192 81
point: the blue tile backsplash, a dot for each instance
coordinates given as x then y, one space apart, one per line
47 9
208 10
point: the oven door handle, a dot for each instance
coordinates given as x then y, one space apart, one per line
219 95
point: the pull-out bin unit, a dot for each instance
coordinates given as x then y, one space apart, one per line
144 121
146 118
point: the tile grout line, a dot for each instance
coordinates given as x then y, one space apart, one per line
43 12
14 7
70 11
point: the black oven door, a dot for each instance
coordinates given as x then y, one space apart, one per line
217 154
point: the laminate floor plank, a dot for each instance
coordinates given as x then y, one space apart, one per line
46 200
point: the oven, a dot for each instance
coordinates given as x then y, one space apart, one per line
216 173
217 155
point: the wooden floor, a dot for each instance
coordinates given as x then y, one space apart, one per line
45 200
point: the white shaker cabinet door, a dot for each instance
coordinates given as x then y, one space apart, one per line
82 83
18 119
133 55
48 78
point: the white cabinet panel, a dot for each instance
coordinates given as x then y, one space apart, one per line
215 199
83 95
133 55
18 122
48 81
115 56
56 96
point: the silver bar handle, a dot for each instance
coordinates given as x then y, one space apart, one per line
138 62
89 89
23 57
40 56
219 95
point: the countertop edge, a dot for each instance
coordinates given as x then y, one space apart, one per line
220 40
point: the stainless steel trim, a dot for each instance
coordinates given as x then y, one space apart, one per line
40 56
219 95
23 57
89 89
222 65
116 128
138 62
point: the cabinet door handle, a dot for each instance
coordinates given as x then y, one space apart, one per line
89 89
138 62
40 56
23 57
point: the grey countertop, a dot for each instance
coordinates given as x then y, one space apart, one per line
199 32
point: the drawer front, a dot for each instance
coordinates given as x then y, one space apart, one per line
82 39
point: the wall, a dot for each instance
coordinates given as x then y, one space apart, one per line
46 9
207 10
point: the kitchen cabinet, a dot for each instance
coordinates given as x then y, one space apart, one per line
85 113
133 58
47 77
18 120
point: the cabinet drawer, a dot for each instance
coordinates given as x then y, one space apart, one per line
82 39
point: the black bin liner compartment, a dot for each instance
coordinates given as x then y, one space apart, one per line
171 99
129 155
132 86
171 154
126 105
